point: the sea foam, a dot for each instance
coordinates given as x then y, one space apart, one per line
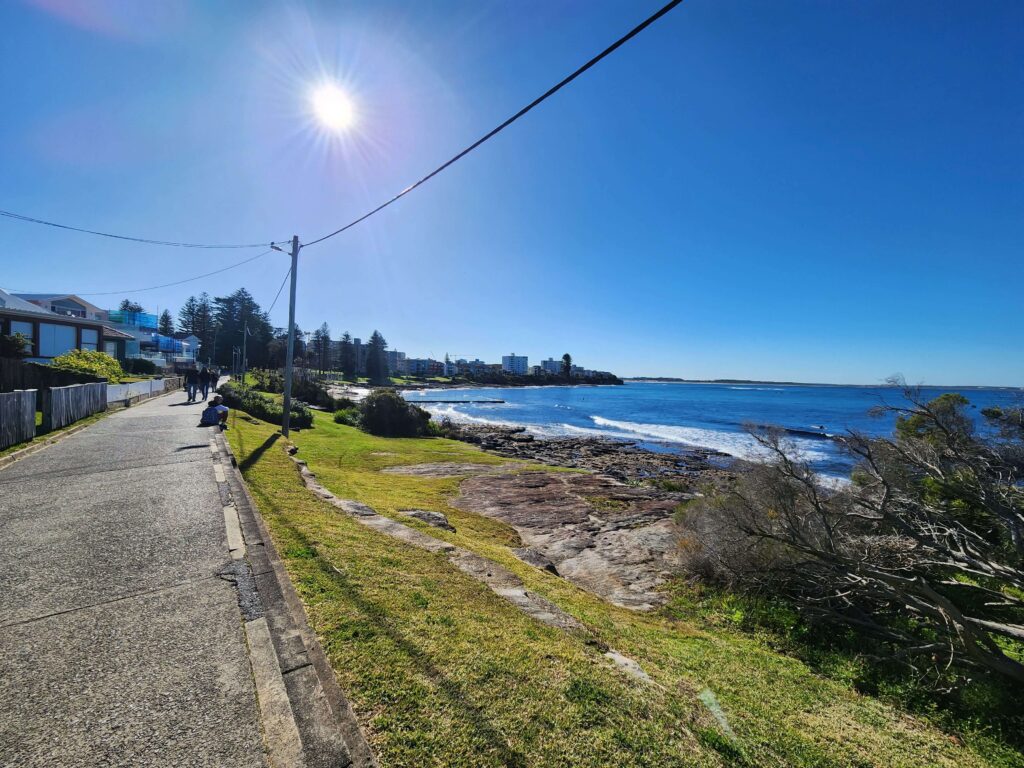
738 444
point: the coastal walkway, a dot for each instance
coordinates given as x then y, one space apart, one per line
132 632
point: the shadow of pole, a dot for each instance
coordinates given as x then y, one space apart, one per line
510 758
253 457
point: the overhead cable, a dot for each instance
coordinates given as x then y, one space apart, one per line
550 92
31 220
166 285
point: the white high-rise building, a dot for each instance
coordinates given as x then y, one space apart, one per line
515 364
552 366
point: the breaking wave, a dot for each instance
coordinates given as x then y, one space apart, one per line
738 444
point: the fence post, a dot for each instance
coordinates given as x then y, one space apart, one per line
47 409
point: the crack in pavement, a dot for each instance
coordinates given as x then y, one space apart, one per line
154 590
95 469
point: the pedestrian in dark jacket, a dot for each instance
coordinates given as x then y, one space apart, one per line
192 384
205 379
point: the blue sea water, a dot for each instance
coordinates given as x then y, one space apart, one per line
674 416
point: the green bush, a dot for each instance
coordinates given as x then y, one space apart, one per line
263 407
306 390
89 361
386 413
348 416
15 346
313 392
139 366
267 380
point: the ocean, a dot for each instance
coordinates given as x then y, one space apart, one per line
674 416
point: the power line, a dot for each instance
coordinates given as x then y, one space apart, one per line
29 219
550 92
278 295
168 285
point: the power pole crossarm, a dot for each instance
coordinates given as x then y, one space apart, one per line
290 355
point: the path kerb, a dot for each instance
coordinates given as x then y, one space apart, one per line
308 719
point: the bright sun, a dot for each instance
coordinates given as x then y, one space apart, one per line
333 107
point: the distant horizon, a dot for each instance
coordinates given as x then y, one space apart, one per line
881 385
336 333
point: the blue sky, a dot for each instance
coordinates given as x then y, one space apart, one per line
824 191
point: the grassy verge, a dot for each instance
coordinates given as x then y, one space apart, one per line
443 672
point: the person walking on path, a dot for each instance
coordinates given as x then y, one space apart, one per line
205 379
192 384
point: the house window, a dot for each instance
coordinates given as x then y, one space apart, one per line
55 339
110 347
25 329
90 339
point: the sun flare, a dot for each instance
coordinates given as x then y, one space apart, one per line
333 107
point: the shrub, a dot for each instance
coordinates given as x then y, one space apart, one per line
313 392
922 551
386 413
267 380
263 407
14 345
307 390
88 361
348 416
139 366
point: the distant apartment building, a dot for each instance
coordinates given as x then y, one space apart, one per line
536 370
470 367
359 356
450 368
424 366
396 362
552 366
515 364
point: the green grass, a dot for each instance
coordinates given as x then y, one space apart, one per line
442 672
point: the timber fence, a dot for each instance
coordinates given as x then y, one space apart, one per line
17 417
66 405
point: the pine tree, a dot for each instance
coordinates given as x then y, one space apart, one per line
376 360
228 318
205 326
130 306
567 366
321 351
166 324
347 355
187 316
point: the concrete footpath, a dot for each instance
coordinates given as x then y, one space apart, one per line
128 608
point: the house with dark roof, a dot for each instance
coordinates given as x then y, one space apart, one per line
49 334
67 304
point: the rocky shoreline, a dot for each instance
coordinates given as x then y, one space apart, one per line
622 460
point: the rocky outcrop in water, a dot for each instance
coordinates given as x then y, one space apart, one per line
619 459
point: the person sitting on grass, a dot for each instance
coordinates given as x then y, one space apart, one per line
215 414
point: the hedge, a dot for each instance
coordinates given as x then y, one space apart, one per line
263 407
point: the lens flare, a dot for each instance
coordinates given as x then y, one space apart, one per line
333 107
